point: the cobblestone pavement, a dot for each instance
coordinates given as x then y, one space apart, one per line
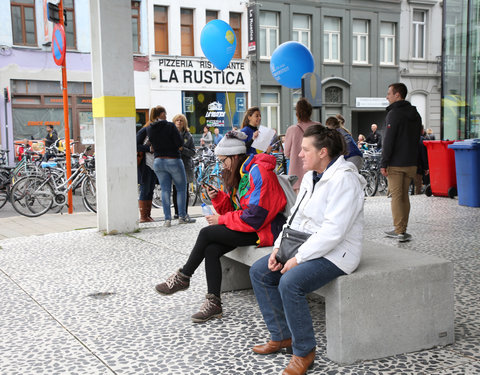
80 302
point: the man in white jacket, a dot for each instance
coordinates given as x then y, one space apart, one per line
330 204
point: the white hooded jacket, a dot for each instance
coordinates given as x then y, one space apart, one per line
332 212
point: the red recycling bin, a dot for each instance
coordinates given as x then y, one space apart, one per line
441 162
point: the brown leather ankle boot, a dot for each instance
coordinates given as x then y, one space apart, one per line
300 365
273 347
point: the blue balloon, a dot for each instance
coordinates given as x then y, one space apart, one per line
218 43
289 62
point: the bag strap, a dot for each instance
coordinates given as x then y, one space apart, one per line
291 217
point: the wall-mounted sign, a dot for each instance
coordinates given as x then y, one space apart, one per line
198 73
371 102
240 104
215 115
188 104
252 29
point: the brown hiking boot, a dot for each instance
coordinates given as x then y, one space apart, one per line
211 308
176 282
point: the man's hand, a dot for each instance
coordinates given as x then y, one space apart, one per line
273 265
212 219
292 262
384 172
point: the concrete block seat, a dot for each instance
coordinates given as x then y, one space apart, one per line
397 301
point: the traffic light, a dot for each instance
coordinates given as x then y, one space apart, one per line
52 14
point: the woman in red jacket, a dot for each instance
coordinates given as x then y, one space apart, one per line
249 213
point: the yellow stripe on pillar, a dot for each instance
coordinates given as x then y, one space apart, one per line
114 106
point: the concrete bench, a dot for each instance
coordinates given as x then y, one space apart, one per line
397 301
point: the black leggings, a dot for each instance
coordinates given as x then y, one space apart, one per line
174 196
213 242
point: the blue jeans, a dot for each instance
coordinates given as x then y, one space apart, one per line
168 170
282 299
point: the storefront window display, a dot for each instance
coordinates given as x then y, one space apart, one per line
461 70
214 109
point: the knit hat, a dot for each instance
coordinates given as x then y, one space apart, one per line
233 143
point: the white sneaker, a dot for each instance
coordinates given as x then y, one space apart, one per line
167 223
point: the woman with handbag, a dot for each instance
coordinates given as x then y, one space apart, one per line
187 153
248 213
329 214
145 174
168 166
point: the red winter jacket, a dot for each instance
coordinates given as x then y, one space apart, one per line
261 201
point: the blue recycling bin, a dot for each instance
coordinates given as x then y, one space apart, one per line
467 160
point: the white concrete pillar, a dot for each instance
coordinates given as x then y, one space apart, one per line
114 115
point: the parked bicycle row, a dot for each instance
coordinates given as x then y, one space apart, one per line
37 184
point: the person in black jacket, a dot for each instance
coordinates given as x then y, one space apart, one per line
145 174
50 139
400 155
187 153
422 165
168 166
375 137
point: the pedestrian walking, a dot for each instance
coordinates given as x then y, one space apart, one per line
400 156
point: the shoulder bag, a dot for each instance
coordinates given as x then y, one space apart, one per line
291 240
149 157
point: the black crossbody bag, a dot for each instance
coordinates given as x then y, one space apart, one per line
291 240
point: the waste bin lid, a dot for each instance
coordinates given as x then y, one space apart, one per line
467 144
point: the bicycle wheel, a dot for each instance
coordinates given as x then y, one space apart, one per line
372 183
382 183
32 196
192 194
157 196
4 188
89 193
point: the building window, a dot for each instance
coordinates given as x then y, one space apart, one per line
161 30
23 22
419 31
236 24
69 7
387 43
136 26
301 29
295 98
211 15
360 42
269 108
334 95
331 39
268 33
186 26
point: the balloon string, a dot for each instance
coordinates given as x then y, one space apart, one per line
229 109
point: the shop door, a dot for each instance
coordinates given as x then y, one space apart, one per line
87 134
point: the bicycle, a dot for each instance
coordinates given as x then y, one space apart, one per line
33 196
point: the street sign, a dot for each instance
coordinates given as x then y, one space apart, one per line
52 14
59 44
